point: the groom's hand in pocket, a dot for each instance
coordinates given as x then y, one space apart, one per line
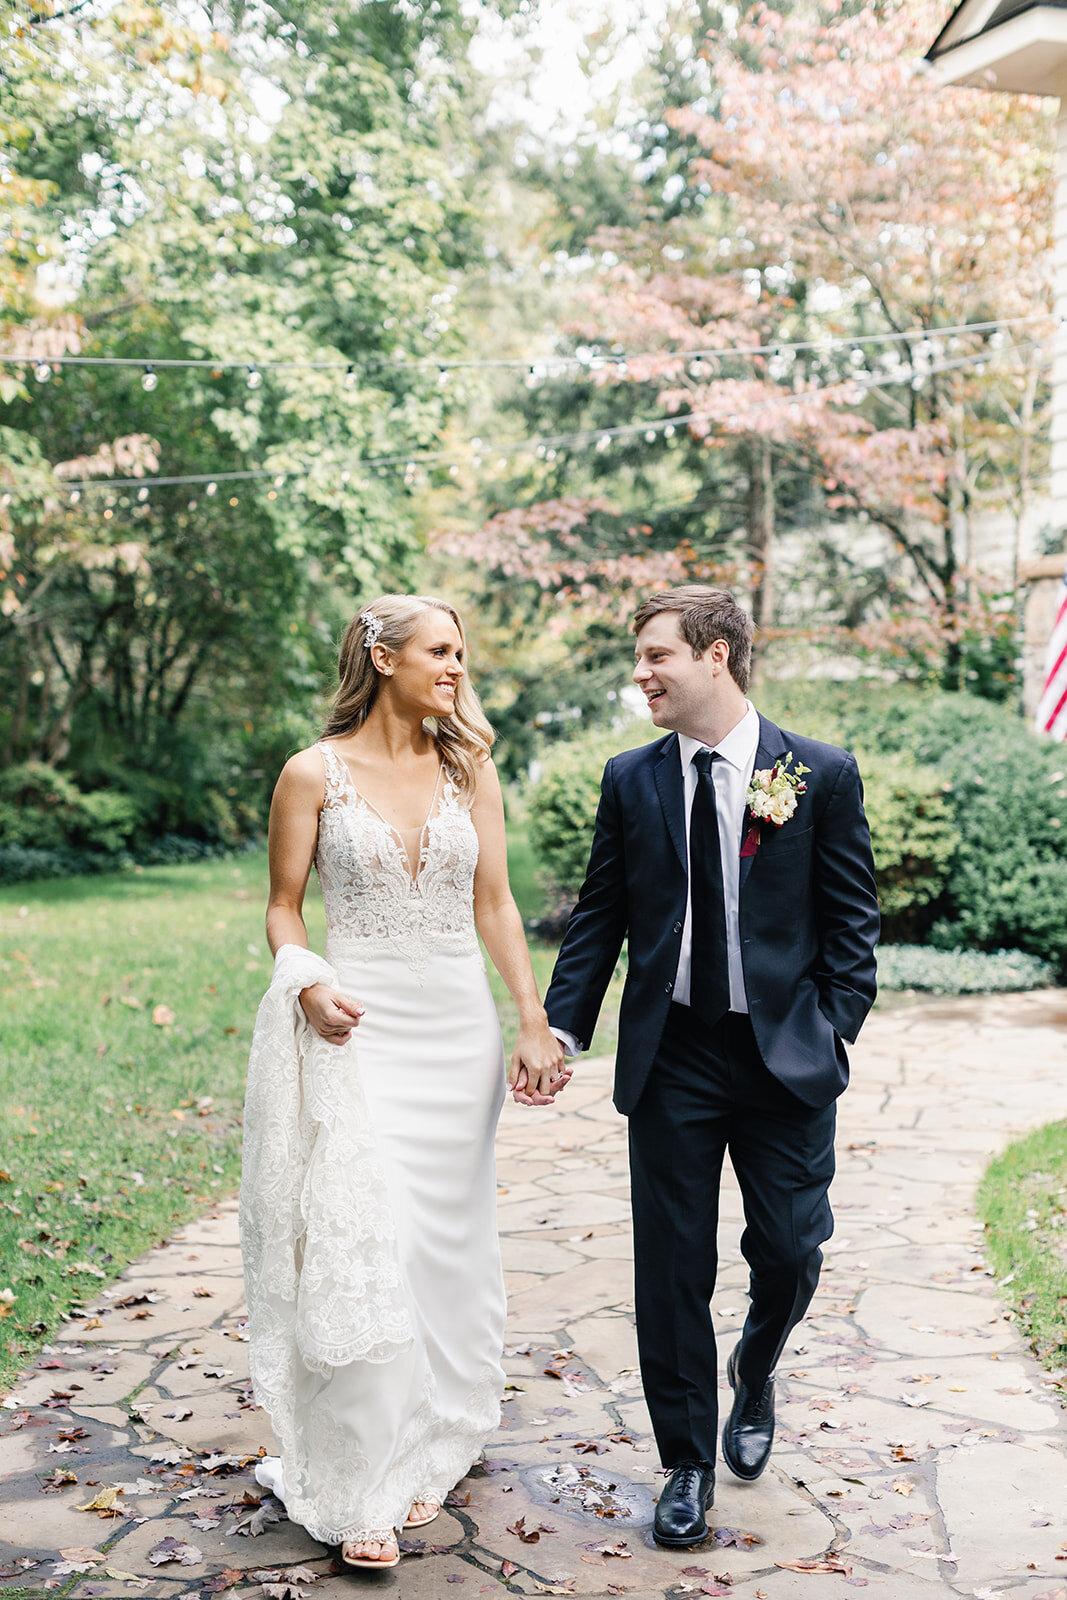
331 1014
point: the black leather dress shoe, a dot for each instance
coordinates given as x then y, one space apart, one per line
749 1430
687 1494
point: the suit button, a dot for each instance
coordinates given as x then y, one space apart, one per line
667 987
677 928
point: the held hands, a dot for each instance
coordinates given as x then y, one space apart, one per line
332 1015
538 1068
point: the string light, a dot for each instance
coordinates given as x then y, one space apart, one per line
847 391
150 379
587 360
350 376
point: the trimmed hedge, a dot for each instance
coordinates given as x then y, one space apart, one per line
968 812
912 832
916 966
911 824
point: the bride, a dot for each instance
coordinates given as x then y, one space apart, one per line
368 1195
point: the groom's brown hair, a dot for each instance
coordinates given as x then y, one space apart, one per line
704 615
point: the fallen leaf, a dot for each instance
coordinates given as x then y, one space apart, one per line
520 1531
508 1569
902 1486
258 1519
830 1563
171 1549
224 1580
57 1479
455 1500
103 1503
162 1016
179 1414
731 1540
591 1447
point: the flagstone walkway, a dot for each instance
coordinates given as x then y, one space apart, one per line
921 1451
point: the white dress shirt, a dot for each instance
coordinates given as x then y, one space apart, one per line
731 776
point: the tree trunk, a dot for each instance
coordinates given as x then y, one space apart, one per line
761 533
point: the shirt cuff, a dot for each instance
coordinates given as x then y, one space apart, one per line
571 1046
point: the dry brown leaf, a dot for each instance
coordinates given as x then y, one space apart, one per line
103 1503
162 1016
171 1549
830 1563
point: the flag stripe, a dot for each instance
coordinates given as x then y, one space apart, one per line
1051 714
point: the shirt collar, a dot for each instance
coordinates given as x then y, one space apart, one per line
738 747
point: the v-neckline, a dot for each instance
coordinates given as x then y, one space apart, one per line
395 835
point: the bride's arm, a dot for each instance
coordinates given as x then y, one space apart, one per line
537 1068
292 837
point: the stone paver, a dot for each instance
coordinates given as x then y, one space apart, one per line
921 1451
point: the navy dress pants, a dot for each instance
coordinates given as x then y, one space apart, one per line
708 1092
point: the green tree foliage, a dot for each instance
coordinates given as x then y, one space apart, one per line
291 187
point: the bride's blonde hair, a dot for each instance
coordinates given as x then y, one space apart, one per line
464 738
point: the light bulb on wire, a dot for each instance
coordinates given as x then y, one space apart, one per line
42 372
149 379
255 378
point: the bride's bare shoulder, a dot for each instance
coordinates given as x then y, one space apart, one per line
303 777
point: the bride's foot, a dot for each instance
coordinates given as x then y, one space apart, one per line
379 1548
422 1512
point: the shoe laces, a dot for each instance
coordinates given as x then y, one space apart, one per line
686 1472
755 1407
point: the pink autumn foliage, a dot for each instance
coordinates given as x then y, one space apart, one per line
555 545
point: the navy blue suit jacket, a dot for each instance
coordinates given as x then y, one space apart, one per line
808 916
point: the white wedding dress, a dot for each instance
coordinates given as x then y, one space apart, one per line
368 1194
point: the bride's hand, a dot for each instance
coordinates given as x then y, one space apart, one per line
538 1067
330 1013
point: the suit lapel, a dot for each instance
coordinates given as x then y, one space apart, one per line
770 748
671 791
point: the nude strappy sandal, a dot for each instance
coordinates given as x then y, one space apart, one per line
382 1536
426 1500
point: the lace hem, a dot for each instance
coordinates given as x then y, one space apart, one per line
431 1459
322 1274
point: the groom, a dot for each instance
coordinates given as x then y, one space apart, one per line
751 958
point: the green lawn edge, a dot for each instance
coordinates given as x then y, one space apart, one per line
1022 1201
128 1001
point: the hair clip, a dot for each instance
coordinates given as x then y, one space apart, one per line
373 626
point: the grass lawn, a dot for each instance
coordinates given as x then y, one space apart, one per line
1023 1203
128 1004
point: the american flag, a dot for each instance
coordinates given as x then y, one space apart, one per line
1051 715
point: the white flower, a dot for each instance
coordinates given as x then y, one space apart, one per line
781 807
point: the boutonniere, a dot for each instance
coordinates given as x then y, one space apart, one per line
772 797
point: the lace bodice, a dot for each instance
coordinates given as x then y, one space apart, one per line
374 907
